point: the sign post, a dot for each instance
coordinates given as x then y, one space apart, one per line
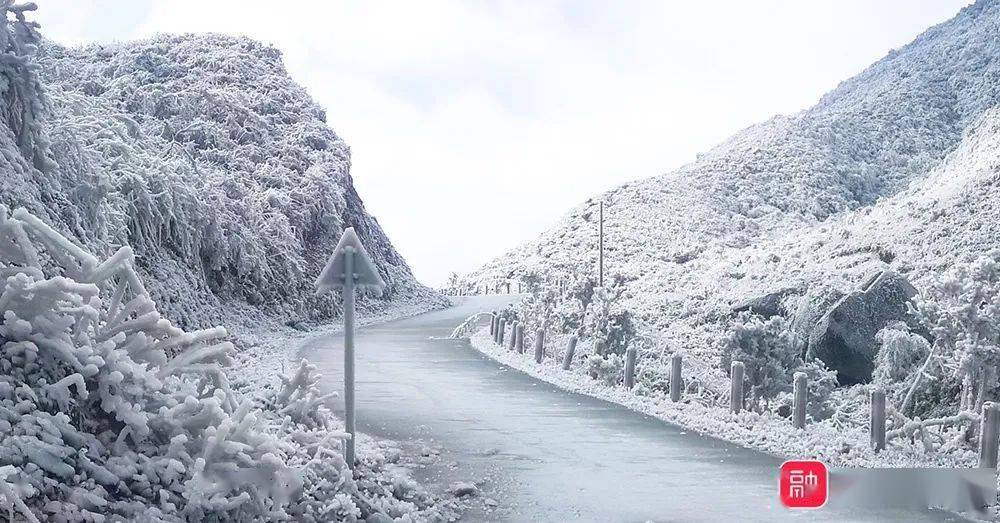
349 268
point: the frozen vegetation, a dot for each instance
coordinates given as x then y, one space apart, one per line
858 236
200 153
150 191
108 409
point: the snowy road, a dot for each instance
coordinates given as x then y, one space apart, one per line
545 454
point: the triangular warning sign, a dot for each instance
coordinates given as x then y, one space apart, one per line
365 273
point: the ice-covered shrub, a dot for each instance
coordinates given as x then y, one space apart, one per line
961 310
900 352
772 354
621 331
767 348
102 396
822 382
607 370
606 321
301 399
580 289
899 359
109 410
536 309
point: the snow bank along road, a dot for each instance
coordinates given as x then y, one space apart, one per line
542 453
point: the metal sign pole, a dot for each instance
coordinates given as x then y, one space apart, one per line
349 268
349 354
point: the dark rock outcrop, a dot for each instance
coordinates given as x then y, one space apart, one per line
844 338
768 305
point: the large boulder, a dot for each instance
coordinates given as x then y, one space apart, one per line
844 337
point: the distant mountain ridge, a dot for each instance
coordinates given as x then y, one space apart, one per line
691 242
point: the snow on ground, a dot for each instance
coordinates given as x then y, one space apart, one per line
766 432
107 409
386 466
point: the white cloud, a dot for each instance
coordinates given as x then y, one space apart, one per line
475 125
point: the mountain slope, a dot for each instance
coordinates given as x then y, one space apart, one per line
692 242
202 154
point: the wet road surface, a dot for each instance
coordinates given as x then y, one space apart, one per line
542 453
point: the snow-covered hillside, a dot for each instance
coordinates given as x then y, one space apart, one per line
811 204
201 153
147 190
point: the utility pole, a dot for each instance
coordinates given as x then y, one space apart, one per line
600 247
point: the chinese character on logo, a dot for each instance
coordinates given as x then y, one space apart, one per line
803 484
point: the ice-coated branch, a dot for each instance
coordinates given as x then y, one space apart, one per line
466 327
10 496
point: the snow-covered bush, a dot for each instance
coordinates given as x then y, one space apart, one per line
900 352
606 321
767 349
822 382
772 355
109 406
107 409
897 364
607 370
535 311
577 296
961 310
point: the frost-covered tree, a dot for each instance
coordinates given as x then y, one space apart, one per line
606 321
576 294
961 310
20 85
898 364
454 283
767 348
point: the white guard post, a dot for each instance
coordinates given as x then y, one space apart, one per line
349 267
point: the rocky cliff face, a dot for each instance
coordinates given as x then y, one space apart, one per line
205 156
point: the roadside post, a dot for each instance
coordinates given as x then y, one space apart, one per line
349 267
570 350
630 355
675 378
800 396
989 432
736 392
877 422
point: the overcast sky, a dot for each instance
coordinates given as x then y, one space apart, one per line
476 125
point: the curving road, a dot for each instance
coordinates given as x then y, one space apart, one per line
542 453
